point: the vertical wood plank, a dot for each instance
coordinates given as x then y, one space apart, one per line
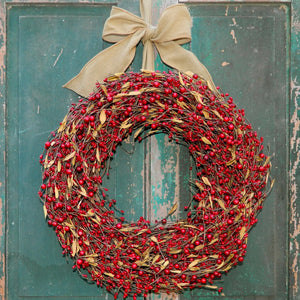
164 162
294 242
2 149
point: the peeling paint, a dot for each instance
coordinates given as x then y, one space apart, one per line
226 11
58 57
2 278
1 221
225 63
2 255
232 33
295 22
294 220
163 296
3 43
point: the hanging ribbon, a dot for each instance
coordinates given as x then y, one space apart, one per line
126 31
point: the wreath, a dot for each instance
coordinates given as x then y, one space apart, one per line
230 185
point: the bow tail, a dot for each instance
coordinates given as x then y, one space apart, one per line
183 60
114 59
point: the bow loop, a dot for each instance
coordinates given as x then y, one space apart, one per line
174 25
120 24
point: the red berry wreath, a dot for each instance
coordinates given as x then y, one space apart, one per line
136 258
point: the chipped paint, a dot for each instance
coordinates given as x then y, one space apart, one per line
2 278
58 57
226 11
3 43
232 33
2 162
294 209
164 179
163 296
2 255
295 22
225 63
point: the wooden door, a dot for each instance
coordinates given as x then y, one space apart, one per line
247 47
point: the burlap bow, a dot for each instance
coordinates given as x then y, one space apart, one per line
126 31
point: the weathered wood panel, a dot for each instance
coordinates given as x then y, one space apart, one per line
243 45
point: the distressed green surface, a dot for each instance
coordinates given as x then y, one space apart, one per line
294 242
45 49
248 59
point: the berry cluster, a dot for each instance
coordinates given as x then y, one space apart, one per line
138 258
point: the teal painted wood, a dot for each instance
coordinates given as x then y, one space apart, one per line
34 260
45 49
244 49
294 242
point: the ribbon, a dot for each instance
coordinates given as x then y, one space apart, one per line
126 30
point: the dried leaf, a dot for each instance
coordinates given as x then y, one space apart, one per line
165 264
103 116
205 180
197 96
206 114
56 192
183 284
98 155
213 241
49 164
135 93
69 156
173 209
199 185
90 213
221 203
272 183
125 86
154 239
126 229
194 263
82 191
175 251
176 271
109 274
103 87
45 211
267 161
180 79
63 125
217 114
120 95
137 252
156 257
138 132
74 248
177 120
205 140
214 287
125 125
59 166
242 232
70 182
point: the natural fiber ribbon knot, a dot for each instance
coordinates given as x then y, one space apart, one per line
126 30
